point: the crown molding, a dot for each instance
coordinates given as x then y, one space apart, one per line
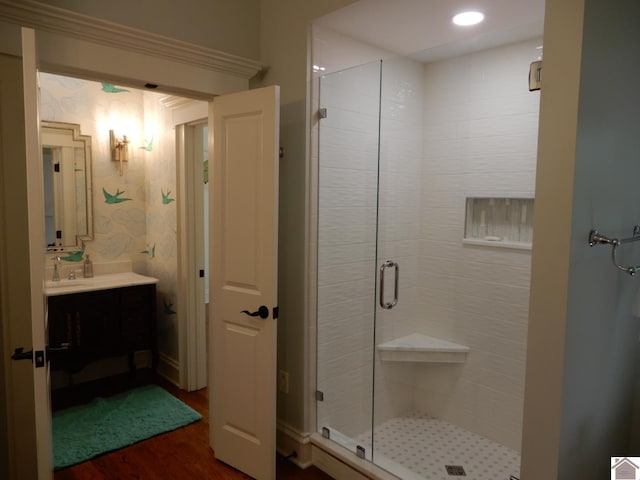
173 102
40 16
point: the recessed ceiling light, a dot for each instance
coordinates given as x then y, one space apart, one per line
468 18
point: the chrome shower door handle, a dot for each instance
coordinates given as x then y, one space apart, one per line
383 268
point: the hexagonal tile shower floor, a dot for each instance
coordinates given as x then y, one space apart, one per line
423 447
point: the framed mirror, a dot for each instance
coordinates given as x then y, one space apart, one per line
66 157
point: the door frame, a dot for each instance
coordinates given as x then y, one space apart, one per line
99 48
191 249
26 402
36 255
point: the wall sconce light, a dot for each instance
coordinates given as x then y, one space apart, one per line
119 149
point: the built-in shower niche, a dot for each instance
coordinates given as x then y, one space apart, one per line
499 222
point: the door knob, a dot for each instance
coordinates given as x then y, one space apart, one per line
20 354
262 312
38 355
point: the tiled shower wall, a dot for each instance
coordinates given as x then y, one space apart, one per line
480 140
477 137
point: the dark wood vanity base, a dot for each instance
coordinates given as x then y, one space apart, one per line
100 324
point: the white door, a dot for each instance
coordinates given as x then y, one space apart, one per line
243 245
22 269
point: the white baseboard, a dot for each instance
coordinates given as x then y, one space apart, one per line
333 466
289 440
169 369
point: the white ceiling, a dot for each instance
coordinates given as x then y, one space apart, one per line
423 29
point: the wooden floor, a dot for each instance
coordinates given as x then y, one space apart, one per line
181 454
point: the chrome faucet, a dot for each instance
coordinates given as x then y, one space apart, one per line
56 267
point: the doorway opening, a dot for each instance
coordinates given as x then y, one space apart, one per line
136 223
135 215
245 250
32 184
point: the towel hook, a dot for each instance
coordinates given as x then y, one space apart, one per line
595 238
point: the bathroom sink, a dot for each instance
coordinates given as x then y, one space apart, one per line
99 282
64 283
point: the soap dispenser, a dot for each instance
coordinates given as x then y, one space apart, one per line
87 267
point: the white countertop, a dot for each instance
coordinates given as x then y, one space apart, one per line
98 282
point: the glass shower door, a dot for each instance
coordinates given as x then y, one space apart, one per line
347 212
400 299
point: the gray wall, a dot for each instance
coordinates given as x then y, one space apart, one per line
284 31
583 342
601 350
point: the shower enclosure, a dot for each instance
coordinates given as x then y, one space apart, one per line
425 203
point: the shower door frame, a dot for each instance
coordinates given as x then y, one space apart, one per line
317 114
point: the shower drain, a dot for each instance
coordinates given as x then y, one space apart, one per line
455 470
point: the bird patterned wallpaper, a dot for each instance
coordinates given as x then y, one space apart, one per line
134 214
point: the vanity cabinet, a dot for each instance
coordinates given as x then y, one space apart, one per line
102 323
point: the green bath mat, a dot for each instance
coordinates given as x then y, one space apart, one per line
107 424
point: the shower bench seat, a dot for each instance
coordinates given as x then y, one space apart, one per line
417 347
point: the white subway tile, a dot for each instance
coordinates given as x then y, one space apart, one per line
478 138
